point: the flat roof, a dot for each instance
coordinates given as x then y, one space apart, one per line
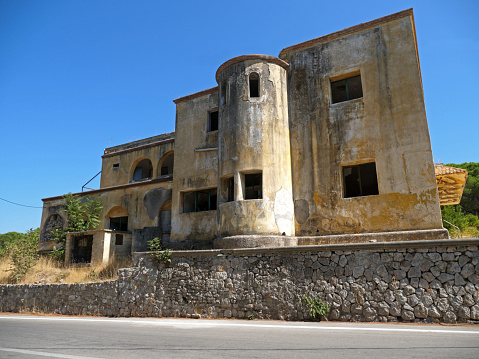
196 95
347 31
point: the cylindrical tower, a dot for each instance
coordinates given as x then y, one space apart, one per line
255 188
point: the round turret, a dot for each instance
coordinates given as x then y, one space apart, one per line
255 189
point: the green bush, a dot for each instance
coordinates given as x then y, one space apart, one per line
466 222
317 308
160 254
24 255
7 241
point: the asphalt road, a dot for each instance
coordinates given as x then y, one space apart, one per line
24 336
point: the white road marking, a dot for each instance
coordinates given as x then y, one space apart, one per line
44 354
195 323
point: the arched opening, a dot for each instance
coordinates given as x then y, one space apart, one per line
165 166
253 85
117 219
53 223
165 217
143 170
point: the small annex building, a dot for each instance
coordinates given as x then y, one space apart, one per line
328 142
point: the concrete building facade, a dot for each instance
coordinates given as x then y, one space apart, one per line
328 139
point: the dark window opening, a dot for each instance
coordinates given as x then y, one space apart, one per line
116 165
198 201
212 121
143 170
118 239
253 85
167 166
346 89
360 180
230 190
223 94
81 249
119 223
253 184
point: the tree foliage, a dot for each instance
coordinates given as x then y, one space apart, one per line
465 215
470 197
7 241
24 254
83 214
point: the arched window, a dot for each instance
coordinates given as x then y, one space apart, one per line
143 170
253 85
165 217
118 219
165 167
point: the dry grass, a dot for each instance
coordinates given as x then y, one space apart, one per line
47 270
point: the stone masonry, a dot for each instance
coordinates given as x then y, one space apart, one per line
416 281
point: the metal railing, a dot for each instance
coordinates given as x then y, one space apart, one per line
85 187
459 234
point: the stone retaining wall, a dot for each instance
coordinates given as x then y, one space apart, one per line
416 281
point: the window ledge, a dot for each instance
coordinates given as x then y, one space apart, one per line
206 149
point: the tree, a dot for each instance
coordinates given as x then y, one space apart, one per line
7 241
24 254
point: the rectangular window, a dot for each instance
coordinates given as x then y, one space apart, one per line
253 186
118 239
119 223
198 201
360 180
116 166
213 121
230 188
346 89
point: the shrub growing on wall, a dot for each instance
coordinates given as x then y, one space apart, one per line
83 214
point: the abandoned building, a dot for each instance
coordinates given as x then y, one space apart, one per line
329 141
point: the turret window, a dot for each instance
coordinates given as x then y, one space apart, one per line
223 94
253 186
253 85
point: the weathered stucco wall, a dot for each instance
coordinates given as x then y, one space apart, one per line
417 281
387 125
142 201
198 167
254 138
128 158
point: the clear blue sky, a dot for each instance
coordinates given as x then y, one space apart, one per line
79 76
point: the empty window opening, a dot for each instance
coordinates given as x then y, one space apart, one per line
253 186
198 201
223 94
118 239
116 166
213 121
167 165
230 189
346 89
143 170
360 180
119 223
81 249
253 85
